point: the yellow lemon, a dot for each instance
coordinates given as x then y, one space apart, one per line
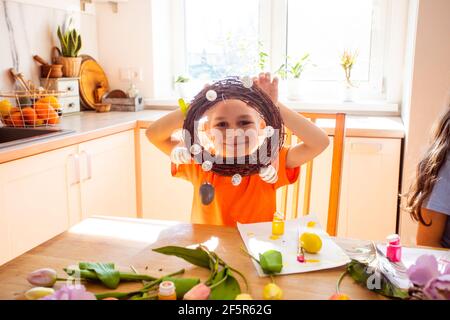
310 242
272 292
243 296
5 107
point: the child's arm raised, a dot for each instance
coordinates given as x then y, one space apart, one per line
314 140
160 132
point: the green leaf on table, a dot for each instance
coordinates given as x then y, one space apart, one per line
118 295
361 272
271 261
182 285
106 272
228 288
196 256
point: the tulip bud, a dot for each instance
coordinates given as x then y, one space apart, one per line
243 296
272 292
42 277
339 296
38 293
199 292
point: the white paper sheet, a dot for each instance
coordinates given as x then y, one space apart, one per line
257 239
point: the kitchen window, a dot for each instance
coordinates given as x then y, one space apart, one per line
211 39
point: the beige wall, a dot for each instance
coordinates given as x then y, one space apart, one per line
124 41
427 86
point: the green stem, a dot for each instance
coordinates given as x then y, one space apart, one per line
146 288
157 281
340 280
248 254
243 278
65 279
219 282
271 278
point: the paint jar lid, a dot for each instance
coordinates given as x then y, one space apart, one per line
278 216
393 239
166 288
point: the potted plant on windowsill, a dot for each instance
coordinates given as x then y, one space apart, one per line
71 44
292 71
348 60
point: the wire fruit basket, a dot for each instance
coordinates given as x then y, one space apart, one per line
30 109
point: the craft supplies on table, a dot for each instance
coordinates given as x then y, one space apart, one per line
258 239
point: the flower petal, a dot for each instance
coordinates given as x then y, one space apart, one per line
72 292
438 288
425 269
447 269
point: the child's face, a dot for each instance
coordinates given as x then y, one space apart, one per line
232 128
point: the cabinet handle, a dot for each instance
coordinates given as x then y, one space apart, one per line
366 147
89 165
71 105
76 159
69 88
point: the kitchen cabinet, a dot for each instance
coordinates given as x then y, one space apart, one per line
43 195
163 196
108 176
37 200
369 187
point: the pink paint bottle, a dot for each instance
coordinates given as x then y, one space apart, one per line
394 249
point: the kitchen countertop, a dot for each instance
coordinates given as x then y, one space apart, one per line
129 242
91 125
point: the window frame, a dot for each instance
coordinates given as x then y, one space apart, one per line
385 74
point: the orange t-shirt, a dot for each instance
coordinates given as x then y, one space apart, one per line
253 200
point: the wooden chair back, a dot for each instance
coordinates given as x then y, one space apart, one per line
336 174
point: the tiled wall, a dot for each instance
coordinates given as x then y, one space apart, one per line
29 29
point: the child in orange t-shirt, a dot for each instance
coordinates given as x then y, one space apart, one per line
231 126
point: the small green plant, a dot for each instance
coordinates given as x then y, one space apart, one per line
70 42
295 69
262 57
181 79
348 60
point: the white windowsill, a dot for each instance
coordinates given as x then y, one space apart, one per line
357 107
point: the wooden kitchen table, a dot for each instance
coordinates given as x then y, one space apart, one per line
129 242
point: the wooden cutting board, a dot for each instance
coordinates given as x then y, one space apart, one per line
93 83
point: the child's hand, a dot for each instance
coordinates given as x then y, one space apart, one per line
268 85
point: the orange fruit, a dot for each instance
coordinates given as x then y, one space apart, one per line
46 112
17 119
51 101
29 115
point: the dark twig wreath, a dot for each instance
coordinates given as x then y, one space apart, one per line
233 88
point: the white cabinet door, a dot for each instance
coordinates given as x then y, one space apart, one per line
369 189
163 196
108 176
38 200
369 194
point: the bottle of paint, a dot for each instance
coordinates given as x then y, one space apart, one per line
393 249
278 224
167 291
